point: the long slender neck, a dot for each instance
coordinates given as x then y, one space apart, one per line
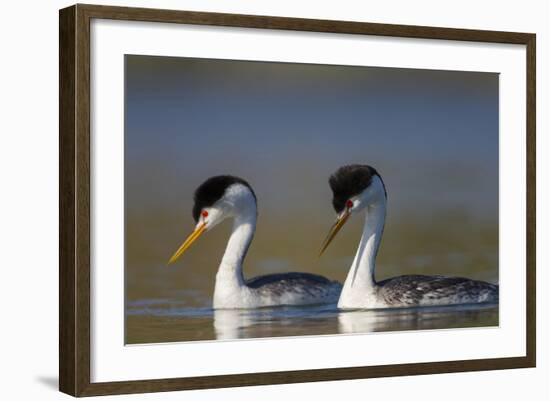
230 271
361 275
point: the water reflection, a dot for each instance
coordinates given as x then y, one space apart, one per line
229 323
365 321
267 322
271 124
164 321
275 322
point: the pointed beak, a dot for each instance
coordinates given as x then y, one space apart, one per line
334 230
188 242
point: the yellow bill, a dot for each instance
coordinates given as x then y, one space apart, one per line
188 242
334 230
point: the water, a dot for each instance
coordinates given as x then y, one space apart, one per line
157 320
285 127
174 303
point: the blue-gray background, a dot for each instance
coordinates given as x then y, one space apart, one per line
432 135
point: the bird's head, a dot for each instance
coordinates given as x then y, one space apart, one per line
354 188
216 199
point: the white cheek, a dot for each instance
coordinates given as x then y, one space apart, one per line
359 204
215 216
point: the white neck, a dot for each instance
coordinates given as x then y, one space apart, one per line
229 279
242 233
238 203
361 282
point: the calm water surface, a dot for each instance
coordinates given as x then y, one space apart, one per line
157 320
166 304
285 127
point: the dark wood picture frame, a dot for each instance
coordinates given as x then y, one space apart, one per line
74 203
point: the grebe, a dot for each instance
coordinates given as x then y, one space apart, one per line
359 187
222 197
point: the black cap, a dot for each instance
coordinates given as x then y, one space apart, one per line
349 181
212 190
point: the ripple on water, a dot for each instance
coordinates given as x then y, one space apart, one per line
162 320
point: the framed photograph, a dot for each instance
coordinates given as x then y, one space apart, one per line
250 200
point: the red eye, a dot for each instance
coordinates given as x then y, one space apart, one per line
204 213
349 204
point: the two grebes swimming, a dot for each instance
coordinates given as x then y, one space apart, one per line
356 189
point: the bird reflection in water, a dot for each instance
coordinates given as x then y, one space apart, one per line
230 324
321 320
423 318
